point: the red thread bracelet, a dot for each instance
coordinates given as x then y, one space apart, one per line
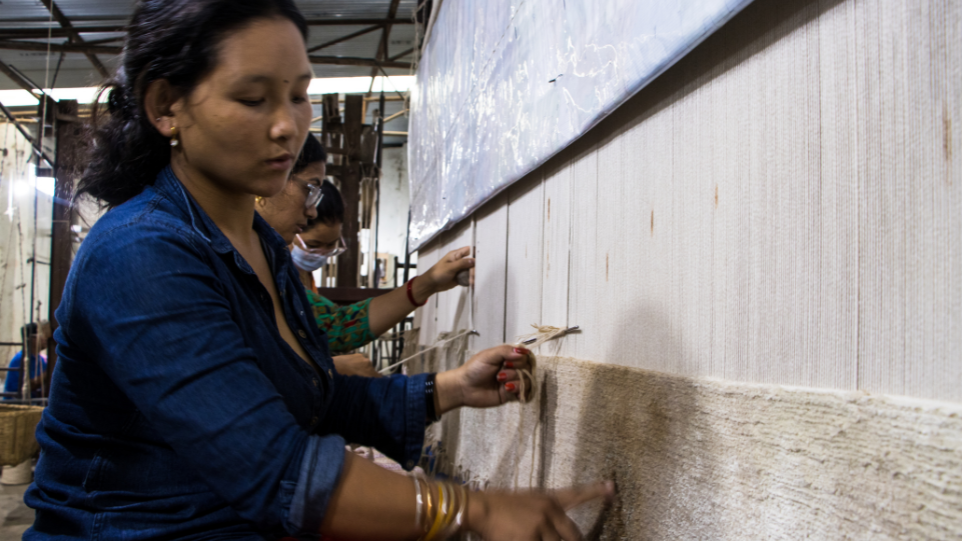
411 293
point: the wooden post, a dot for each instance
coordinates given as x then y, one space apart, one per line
68 166
347 264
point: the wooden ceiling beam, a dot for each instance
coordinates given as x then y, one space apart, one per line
44 33
401 54
344 38
74 36
16 78
12 45
381 54
352 61
104 49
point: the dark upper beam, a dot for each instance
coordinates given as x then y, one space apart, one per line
121 25
358 22
16 78
344 38
351 61
58 47
105 40
43 33
381 54
401 54
391 15
103 49
74 36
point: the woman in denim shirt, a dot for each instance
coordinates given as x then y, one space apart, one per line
194 397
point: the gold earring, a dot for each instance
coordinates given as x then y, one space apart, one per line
173 136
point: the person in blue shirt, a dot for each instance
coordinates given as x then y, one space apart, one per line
194 397
37 364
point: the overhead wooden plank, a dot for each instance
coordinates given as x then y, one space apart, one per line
75 37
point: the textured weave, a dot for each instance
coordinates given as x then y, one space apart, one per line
708 459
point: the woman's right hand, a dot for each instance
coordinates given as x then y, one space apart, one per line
443 275
531 516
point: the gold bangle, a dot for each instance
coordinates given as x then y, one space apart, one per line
430 507
418 504
455 516
455 511
446 514
439 517
462 507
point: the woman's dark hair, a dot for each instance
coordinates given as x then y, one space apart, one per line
330 209
312 151
176 40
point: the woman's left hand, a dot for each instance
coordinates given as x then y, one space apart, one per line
488 379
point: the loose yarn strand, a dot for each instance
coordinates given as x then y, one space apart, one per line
387 369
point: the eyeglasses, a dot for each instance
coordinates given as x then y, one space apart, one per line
339 248
314 196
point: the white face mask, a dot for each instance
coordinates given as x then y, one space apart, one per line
307 261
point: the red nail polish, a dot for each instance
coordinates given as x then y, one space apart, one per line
510 386
521 351
508 364
502 376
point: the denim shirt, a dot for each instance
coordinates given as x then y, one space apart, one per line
177 410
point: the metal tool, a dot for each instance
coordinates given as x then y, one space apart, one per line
568 330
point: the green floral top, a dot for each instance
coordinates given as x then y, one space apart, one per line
347 327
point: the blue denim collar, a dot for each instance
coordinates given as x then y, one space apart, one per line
170 186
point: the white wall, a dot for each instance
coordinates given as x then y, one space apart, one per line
17 235
395 200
